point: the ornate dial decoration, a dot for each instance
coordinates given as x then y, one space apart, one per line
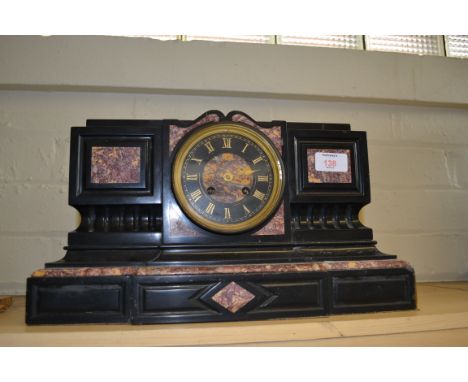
228 177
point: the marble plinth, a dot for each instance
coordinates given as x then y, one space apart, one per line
170 294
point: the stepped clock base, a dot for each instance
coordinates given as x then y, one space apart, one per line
172 294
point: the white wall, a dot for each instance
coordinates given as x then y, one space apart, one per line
414 109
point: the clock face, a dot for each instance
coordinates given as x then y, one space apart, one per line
228 178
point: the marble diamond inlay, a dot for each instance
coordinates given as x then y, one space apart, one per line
233 297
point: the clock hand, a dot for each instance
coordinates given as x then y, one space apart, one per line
249 172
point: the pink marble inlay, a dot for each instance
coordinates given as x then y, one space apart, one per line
275 226
319 266
274 133
233 297
115 164
176 133
177 225
317 176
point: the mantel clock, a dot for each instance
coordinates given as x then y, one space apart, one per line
221 218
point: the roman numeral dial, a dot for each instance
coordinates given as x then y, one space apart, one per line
196 195
227 143
259 195
227 177
257 160
210 208
209 147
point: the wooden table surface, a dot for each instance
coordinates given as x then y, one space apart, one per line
440 320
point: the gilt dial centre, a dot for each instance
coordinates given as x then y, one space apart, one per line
228 174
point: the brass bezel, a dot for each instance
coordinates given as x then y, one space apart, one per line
261 141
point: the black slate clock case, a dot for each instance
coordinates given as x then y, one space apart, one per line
313 212
132 225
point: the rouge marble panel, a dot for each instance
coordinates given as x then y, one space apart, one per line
112 164
177 225
275 226
274 133
319 174
319 266
176 133
233 297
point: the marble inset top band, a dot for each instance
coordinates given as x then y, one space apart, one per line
322 266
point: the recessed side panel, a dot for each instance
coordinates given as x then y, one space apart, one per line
115 165
375 291
299 295
328 166
78 300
